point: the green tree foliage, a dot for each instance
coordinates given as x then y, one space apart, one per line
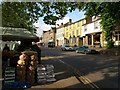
110 16
20 14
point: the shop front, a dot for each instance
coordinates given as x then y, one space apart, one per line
93 39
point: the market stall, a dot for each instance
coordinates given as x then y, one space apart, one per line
22 68
14 59
16 34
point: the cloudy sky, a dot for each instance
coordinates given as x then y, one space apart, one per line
75 16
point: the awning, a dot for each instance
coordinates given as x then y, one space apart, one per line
17 34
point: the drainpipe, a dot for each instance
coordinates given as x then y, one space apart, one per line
92 40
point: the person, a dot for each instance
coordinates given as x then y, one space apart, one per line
5 53
6 48
35 48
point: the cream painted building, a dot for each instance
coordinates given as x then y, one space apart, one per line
59 36
92 33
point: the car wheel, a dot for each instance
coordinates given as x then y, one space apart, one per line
77 51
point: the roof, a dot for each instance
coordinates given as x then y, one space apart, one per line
17 34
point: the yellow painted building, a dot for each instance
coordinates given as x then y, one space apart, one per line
72 33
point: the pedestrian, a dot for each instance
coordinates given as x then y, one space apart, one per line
5 53
6 48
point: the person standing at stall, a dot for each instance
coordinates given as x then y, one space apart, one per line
6 55
6 48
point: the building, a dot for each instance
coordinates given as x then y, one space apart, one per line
49 36
92 33
67 32
72 33
116 35
86 31
59 35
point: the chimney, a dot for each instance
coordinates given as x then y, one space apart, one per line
70 20
61 24
57 24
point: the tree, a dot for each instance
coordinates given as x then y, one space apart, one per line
20 14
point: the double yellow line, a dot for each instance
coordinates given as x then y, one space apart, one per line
84 79
81 77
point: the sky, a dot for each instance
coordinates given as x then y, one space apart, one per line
75 16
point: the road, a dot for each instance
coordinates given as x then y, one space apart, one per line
102 70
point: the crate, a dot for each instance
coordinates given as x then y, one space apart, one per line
45 73
9 76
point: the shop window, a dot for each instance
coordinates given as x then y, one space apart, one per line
117 35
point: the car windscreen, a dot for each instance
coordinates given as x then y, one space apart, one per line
67 46
85 46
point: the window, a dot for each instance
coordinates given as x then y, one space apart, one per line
85 28
77 32
96 25
73 40
93 18
117 35
72 32
66 34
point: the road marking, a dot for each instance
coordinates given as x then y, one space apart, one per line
82 78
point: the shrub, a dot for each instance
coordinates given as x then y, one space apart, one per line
110 44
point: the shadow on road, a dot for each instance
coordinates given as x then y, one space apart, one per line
100 69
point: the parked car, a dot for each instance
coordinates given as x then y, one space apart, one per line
75 47
85 50
66 48
51 44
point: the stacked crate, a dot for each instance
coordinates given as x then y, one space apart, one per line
45 73
26 67
41 74
9 77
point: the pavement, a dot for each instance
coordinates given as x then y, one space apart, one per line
113 51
